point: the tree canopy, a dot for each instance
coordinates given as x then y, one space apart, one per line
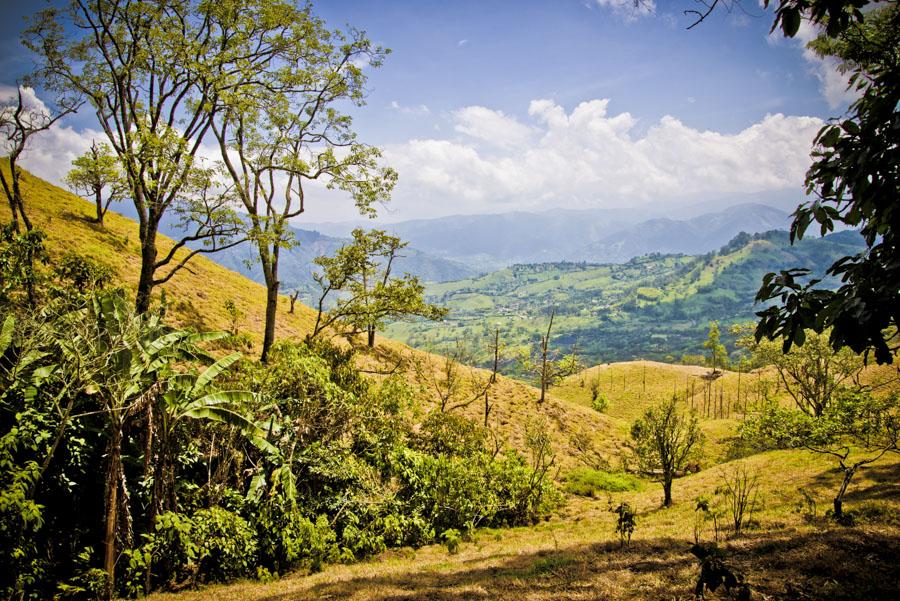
855 182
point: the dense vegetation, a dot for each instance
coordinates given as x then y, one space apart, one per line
653 307
203 481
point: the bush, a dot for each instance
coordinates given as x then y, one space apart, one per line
287 539
213 545
226 545
587 482
450 434
600 403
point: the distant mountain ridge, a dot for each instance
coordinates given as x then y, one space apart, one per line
495 241
296 265
694 236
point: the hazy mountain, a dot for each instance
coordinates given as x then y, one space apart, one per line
499 240
693 236
296 264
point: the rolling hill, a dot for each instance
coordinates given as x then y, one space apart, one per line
652 307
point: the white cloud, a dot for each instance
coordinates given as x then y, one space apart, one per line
590 158
491 126
832 83
462 42
419 110
629 10
49 154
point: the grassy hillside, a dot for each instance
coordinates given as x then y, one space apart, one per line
652 307
197 297
789 551
786 554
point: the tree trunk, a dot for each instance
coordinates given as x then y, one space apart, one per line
667 491
839 498
148 269
112 508
270 274
98 198
371 334
271 308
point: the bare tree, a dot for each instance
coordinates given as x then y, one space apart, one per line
19 121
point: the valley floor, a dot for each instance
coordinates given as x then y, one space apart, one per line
786 554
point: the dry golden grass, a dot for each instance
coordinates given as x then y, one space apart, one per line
197 297
576 555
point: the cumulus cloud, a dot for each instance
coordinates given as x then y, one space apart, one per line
491 126
588 157
49 154
629 10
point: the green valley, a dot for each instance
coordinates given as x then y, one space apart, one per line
652 307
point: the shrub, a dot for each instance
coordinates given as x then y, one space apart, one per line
287 539
587 482
81 274
450 434
625 523
213 545
599 403
452 539
226 544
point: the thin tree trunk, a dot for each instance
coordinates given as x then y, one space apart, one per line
112 507
98 198
370 330
667 491
272 284
839 498
148 268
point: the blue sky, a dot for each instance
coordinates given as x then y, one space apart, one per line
492 106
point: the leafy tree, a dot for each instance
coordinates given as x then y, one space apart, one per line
96 171
18 123
122 361
20 252
286 130
361 272
718 356
854 177
153 73
856 429
811 374
664 441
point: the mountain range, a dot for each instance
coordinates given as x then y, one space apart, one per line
491 242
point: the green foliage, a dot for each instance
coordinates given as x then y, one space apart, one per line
718 355
588 482
600 402
287 539
664 441
855 429
450 434
98 174
80 274
20 255
854 179
451 539
370 294
226 545
625 522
